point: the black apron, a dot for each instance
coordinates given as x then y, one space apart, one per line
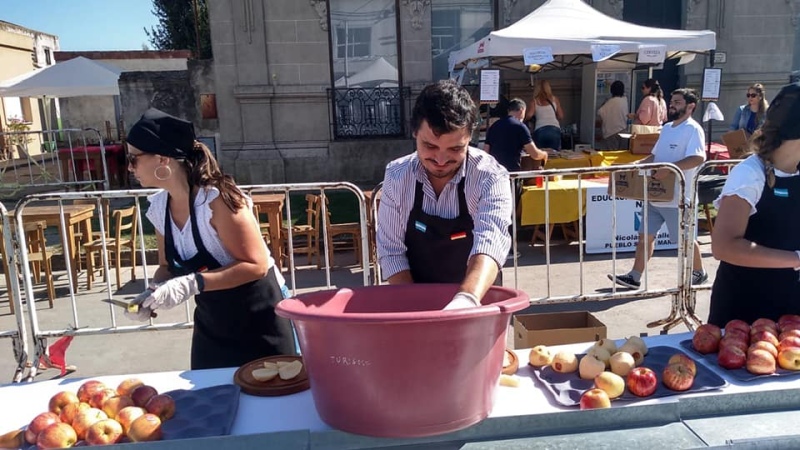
437 248
232 326
748 293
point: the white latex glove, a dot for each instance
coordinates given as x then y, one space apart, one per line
172 293
144 313
463 300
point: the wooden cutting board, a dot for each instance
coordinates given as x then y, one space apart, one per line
274 387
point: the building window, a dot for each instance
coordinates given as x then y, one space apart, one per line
355 40
48 56
455 24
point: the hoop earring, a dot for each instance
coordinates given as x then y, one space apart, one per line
169 173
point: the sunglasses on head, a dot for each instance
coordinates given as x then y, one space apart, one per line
749 95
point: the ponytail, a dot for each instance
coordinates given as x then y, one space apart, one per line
203 170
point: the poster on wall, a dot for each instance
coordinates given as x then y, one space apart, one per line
712 80
629 223
490 86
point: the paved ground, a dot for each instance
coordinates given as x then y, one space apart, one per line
169 349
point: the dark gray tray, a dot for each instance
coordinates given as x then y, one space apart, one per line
737 374
203 412
567 388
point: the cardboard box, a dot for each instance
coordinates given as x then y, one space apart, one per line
630 184
736 141
642 144
531 330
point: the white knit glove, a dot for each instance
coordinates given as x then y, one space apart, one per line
143 314
463 300
172 292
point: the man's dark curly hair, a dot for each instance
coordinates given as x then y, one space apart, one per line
446 107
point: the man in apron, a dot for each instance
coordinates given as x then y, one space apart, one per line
446 208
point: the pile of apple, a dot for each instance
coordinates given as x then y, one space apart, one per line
760 347
100 415
613 369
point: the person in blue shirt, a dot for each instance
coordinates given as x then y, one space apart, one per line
750 116
508 137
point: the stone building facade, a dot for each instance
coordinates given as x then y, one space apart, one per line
316 90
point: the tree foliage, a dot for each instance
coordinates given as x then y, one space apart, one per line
176 26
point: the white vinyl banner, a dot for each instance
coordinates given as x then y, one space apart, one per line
629 223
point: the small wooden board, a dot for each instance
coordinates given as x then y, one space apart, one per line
274 387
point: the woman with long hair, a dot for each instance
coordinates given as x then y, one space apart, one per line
755 235
546 108
752 114
653 108
209 247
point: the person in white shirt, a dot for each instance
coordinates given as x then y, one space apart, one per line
682 143
614 118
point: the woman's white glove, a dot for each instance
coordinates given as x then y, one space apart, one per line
463 300
172 292
143 314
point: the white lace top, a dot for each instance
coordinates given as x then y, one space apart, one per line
184 240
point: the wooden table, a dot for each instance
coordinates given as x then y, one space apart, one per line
272 206
73 215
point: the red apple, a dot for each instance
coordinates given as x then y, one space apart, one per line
760 362
710 328
787 318
642 381
705 342
57 435
789 333
789 326
145 428
70 411
680 358
85 419
766 336
731 357
38 424
737 324
735 333
104 432
114 405
141 395
734 342
764 345
126 387
127 415
88 389
161 405
60 400
678 377
98 398
789 341
764 322
789 358
595 399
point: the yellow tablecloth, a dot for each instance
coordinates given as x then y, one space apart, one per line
599 159
563 163
563 202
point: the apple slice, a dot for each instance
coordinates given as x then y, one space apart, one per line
290 370
264 374
270 365
509 380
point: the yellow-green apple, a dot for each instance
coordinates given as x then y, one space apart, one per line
88 389
789 341
145 428
678 377
127 415
621 363
57 435
639 342
595 399
590 367
737 342
104 432
564 362
613 384
600 353
161 405
38 424
766 336
788 333
786 319
731 357
60 400
608 344
114 405
540 356
642 381
710 328
86 418
764 345
705 342
98 398
737 324
633 350
680 358
70 411
141 395
789 358
761 362
127 386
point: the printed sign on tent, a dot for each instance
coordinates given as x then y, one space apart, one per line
490 86
537 55
604 51
652 54
712 79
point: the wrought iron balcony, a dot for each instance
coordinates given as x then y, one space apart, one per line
369 112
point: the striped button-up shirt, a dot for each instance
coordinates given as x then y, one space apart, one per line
488 193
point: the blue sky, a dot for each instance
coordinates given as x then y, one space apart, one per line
85 24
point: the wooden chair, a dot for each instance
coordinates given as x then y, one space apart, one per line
124 220
38 256
81 237
307 233
350 230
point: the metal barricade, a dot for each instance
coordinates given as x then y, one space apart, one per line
19 337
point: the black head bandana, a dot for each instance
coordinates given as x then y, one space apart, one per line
784 112
160 133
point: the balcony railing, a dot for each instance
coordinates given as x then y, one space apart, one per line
369 112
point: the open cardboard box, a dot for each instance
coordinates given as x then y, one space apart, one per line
631 184
531 330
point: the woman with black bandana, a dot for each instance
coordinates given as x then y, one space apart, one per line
209 247
757 232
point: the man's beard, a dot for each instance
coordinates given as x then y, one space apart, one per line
673 116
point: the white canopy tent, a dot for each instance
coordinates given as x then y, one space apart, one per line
380 73
77 77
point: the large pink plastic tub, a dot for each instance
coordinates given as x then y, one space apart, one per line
387 361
